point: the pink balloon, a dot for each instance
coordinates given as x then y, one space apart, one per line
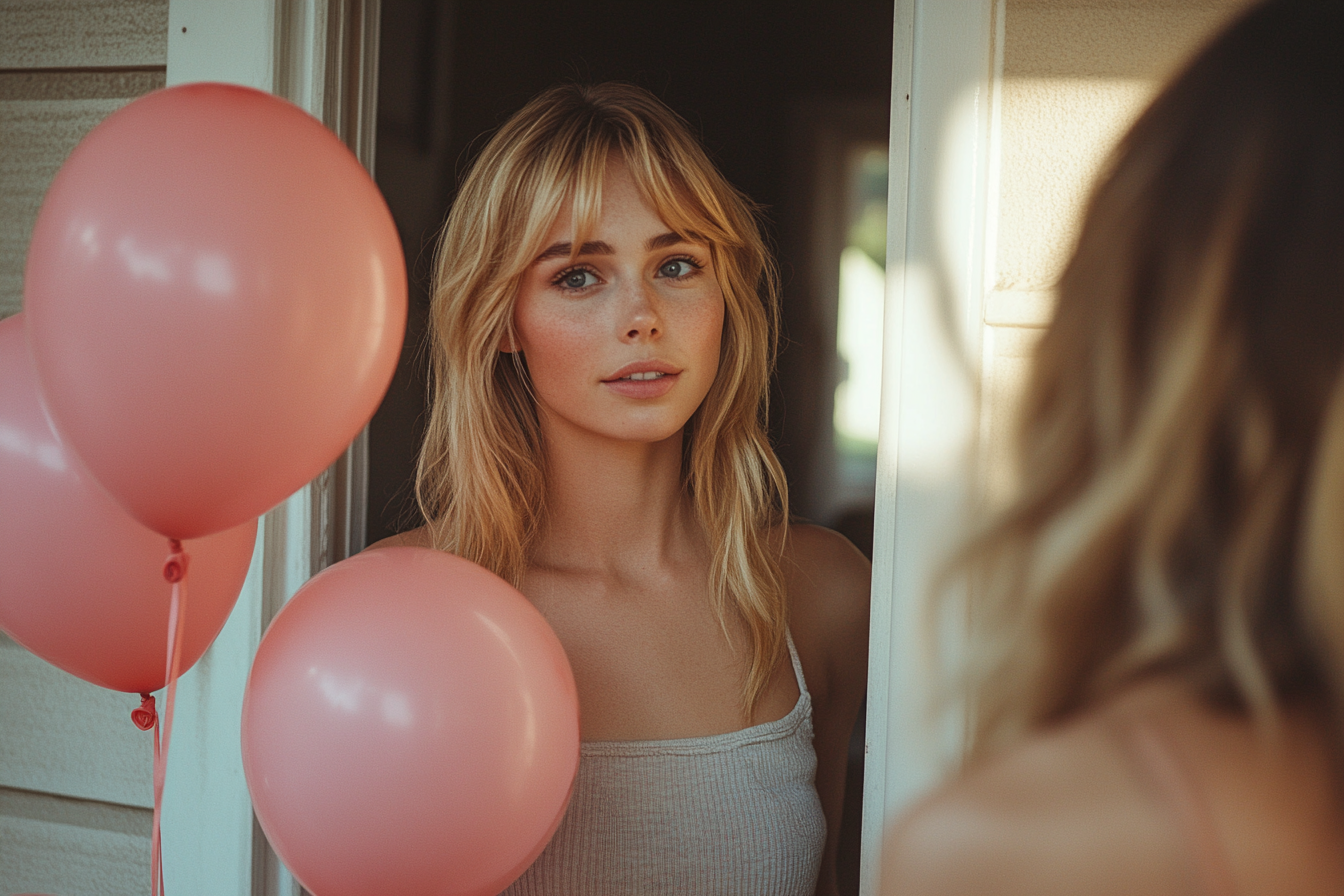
216 300
410 726
82 583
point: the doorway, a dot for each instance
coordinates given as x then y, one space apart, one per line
789 99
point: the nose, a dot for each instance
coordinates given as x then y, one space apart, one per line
640 315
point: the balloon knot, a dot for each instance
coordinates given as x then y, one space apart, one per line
175 567
144 716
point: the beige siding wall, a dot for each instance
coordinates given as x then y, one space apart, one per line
1075 75
75 774
64 65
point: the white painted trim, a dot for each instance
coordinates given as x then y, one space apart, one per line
213 41
322 55
884 519
942 71
994 166
212 844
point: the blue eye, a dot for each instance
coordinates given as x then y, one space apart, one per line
575 278
678 268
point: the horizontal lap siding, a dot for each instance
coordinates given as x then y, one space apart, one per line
72 847
64 66
75 783
64 735
36 135
83 33
75 773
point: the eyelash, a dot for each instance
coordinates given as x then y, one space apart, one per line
696 266
559 279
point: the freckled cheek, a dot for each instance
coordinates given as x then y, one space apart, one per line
558 353
708 329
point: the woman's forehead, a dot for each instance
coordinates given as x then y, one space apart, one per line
617 201
570 212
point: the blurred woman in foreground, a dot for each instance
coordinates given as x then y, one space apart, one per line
1157 619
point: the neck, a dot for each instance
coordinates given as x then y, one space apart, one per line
613 505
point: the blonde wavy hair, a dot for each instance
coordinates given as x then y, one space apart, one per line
480 480
1181 444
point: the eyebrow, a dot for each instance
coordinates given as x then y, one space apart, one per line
597 247
663 240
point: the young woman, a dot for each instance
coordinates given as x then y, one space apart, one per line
1158 618
603 328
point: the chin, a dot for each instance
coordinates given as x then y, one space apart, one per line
648 435
646 431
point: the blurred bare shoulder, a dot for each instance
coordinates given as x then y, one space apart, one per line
1064 812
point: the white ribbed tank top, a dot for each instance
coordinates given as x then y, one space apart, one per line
734 813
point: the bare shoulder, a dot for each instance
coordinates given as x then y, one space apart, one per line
828 583
414 538
1064 812
828 578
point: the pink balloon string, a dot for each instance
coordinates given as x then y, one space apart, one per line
146 717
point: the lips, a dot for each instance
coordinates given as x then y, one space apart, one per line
643 371
643 379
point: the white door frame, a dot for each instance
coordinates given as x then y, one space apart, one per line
322 55
939 234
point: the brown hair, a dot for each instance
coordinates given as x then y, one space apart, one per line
1181 447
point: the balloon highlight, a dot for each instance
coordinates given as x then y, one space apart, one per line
216 299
